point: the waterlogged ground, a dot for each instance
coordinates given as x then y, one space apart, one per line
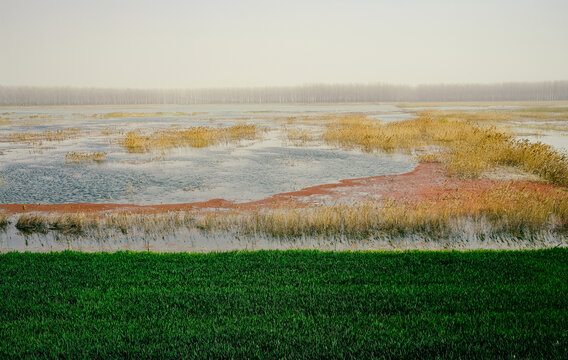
35 171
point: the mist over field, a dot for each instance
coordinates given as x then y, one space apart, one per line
317 93
176 44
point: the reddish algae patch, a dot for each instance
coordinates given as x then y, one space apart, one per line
429 181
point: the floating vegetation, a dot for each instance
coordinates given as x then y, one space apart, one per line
469 149
75 157
137 142
49 135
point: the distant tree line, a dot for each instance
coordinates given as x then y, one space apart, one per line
316 93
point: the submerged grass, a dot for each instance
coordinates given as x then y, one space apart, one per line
292 304
137 142
469 149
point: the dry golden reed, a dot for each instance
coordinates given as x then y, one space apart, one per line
49 135
67 223
298 137
504 209
469 149
33 223
4 221
517 209
78 157
201 136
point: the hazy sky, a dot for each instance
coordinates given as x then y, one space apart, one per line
217 43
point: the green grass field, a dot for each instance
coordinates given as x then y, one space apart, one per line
285 304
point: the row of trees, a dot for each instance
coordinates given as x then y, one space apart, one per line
317 93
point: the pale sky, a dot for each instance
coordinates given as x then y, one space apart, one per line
229 43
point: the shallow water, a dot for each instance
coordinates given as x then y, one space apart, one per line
193 240
249 170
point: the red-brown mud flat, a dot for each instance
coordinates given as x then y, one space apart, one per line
429 181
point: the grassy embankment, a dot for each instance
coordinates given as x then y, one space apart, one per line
276 304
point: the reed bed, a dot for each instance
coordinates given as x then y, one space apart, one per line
33 223
481 116
534 113
137 142
65 223
298 137
512 209
4 221
78 157
49 135
469 150
158 224
502 210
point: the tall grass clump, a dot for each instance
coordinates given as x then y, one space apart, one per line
4 221
198 137
33 223
75 223
468 149
72 223
158 224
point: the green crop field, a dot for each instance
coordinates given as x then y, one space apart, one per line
285 304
